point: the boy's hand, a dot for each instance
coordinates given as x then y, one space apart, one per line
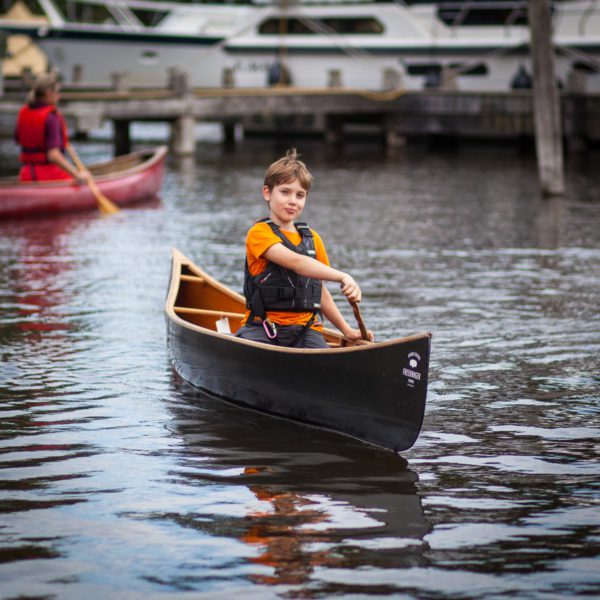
350 288
355 334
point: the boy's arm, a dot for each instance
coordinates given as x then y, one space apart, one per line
332 313
310 267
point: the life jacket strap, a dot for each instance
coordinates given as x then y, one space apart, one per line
306 327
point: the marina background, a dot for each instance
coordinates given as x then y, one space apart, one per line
120 481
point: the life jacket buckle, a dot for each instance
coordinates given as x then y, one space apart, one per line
270 329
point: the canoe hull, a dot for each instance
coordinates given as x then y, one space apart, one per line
123 187
375 393
365 393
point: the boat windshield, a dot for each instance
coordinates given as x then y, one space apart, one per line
339 25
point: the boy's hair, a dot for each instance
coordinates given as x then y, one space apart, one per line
286 169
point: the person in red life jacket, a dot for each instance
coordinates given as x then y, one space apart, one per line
286 264
41 132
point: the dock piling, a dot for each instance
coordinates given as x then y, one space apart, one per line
228 79
77 73
119 81
392 79
183 136
334 130
546 101
122 137
229 133
334 78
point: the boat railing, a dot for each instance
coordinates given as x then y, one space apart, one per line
124 16
593 6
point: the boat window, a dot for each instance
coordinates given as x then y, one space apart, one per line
323 26
149 18
455 13
149 57
428 69
478 69
423 68
585 67
84 13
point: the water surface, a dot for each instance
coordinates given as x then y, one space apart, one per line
118 480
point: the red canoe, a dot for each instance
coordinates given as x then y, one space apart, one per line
124 180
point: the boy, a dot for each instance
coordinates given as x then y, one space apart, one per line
286 262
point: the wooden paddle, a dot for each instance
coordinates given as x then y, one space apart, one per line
359 320
105 205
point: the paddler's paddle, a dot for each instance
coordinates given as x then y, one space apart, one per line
359 320
106 206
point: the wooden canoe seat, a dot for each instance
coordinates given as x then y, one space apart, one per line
193 278
204 311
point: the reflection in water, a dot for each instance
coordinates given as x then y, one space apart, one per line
186 166
280 531
36 276
549 221
309 509
35 326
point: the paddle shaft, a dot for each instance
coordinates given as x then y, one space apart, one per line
105 205
359 320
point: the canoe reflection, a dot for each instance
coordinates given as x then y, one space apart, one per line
42 263
320 499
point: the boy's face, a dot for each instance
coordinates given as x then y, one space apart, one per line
286 201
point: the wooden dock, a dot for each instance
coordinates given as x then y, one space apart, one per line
330 112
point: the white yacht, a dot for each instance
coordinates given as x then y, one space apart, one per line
472 45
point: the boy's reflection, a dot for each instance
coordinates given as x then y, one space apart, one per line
281 535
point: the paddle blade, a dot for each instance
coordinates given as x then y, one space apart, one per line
107 207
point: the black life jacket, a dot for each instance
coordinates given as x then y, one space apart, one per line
279 289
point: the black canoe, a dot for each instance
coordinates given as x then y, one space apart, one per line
374 392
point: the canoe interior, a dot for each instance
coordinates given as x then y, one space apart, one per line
202 301
120 163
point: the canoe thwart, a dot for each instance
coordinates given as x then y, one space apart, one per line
204 311
193 278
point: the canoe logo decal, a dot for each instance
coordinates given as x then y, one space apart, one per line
411 371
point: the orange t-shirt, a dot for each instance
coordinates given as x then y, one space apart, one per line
259 239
